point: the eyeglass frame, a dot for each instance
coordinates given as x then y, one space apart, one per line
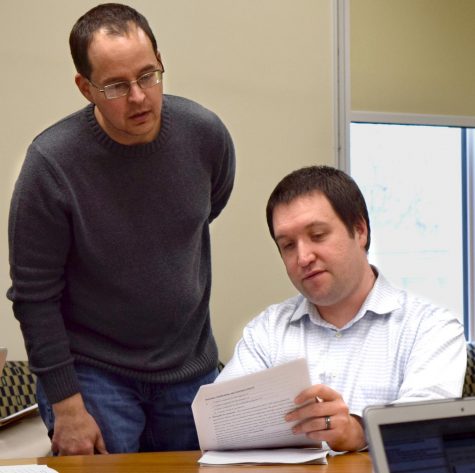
129 83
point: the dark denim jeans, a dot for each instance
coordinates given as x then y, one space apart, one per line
135 416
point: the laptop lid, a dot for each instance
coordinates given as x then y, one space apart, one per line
429 436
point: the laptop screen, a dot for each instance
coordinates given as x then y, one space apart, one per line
434 445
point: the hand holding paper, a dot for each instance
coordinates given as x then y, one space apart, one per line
249 412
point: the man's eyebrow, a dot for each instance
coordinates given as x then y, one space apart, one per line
144 70
317 225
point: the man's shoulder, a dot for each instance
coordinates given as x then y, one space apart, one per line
190 111
414 307
401 307
64 132
423 306
179 103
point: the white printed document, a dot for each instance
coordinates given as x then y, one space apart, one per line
26 469
265 456
247 413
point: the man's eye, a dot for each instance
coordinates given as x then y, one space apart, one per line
287 246
118 87
150 78
317 236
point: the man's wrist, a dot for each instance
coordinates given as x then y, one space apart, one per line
72 405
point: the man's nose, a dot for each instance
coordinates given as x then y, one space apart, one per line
305 255
136 93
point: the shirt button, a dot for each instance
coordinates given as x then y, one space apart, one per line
338 335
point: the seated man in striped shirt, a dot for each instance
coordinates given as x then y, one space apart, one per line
366 341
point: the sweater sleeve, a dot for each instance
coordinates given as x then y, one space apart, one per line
39 240
223 177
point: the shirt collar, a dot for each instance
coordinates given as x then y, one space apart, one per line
382 299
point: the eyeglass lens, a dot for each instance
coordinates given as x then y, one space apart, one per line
145 81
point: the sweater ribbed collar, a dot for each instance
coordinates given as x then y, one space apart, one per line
132 151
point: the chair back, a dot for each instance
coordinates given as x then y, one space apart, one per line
469 384
17 388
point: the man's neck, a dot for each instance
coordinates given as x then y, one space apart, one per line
345 311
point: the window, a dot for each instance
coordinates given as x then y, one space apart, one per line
412 178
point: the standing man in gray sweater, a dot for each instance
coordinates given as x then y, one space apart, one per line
110 248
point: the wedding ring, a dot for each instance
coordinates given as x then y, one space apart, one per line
328 423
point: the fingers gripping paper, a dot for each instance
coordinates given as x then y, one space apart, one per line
248 412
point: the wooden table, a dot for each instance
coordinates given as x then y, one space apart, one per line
186 462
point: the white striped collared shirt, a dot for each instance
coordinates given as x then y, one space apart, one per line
398 348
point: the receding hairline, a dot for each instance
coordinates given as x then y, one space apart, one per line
104 32
109 30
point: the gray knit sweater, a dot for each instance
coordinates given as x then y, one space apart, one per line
110 247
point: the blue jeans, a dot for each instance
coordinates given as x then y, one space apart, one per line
136 416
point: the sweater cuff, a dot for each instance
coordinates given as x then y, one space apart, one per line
60 383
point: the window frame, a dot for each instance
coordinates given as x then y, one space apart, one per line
345 116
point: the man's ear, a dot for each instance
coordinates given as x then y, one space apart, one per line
361 232
84 86
159 57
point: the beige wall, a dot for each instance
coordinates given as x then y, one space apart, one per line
413 56
264 66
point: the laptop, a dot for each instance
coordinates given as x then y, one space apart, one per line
427 436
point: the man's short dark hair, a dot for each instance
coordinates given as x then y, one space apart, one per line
115 18
338 187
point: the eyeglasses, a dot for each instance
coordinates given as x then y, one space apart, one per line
120 89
